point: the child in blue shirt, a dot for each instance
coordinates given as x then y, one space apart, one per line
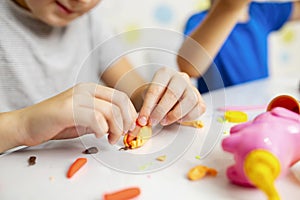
235 34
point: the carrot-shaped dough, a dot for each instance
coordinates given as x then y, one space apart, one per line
76 166
124 194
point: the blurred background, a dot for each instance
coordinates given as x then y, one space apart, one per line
128 15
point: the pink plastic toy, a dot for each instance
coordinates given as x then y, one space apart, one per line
266 147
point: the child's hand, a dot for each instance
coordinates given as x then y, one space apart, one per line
85 108
170 97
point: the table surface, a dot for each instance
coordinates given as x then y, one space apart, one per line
111 170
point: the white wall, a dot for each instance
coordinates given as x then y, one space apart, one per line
284 47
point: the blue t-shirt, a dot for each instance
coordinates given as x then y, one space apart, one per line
244 55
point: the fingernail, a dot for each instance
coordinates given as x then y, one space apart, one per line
124 133
142 121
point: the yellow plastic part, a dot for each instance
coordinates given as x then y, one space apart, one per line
235 116
262 168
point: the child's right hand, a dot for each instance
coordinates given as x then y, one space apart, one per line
85 108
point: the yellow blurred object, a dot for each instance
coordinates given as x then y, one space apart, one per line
196 123
235 116
200 171
288 35
262 168
144 134
161 158
132 35
203 5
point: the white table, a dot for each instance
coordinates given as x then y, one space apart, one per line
157 180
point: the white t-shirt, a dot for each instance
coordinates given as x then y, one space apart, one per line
38 61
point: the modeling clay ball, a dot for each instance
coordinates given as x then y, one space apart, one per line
144 133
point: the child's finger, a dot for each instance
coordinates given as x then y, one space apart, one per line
110 103
102 123
192 115
171 96
109 95
190 107
113 116
122 101
88 118
153 95
181 109
127 110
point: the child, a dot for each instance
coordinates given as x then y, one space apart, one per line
243 55
42 46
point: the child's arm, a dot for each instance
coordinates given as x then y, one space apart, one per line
123 77
10 126
85 108
169 96
296 11
211 35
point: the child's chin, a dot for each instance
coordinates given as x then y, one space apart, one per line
57 22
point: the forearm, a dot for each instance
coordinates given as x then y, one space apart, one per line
296 11
31 125
210 35
122 76
10 130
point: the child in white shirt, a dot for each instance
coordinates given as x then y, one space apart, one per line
43 47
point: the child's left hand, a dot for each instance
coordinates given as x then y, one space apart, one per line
171 97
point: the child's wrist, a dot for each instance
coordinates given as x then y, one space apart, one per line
10 130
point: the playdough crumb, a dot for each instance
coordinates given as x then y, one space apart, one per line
200 171
196 123
31 160
161 158
91 150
